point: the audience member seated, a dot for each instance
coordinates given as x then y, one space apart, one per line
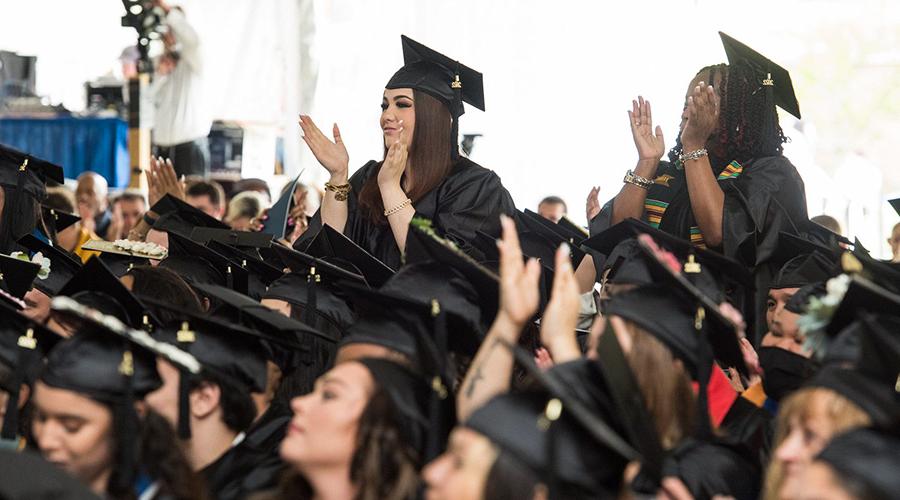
93 204
553 208
128 207
206 195
71 238
243 210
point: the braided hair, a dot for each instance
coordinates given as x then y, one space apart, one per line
748 122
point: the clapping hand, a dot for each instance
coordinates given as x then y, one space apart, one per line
161 180
519 294
702 117
331 154
592 206
394 163
649 142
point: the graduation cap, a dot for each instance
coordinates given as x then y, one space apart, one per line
334 247
120 259
16 275
177 215
712 272
865 460
803 262
27 476
312 286
443 78
895 204
423 245
260 274
96 286
772 77
244 240
554 234
862 295
276 223
873 382
556 435
231 351
573 228
198 264
62 265
109 362
23 345
408 392
27 173
56 221
292 342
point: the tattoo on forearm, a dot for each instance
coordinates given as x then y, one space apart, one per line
478 375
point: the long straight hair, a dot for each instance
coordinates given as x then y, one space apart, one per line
430 158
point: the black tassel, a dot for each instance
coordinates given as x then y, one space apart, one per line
184 406
770 114
229 278
456 110
309 312
127 428
11 420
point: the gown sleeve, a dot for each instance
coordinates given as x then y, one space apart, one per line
470 200
767 198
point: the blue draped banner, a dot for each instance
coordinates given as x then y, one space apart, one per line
78 144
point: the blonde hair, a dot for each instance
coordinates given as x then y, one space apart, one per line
804 405
664 383
248 204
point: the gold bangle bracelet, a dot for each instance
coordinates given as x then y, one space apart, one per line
388 213
341 191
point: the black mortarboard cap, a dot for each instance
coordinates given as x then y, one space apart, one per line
56 220
435 74
408 393
867 459
244 240
277 216
443 78
62 265
330 245
188 258
712 469
179 216
223 348
27 476
554 234
118 259
873 381
17 275
291 335
30 174
895 204
260 274
769 73
97 279
23 345
862 295
423 245
573 228
540 431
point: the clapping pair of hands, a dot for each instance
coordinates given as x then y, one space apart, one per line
332 154
520 297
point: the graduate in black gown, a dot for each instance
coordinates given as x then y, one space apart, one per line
422 173
726 185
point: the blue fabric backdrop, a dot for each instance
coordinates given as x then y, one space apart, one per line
78 144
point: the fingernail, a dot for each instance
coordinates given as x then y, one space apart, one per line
565 247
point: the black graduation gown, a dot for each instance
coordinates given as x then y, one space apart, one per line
254 464
762 197
471 198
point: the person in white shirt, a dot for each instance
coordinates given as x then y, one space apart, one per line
181 120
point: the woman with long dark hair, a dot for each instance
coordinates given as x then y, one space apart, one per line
359 435
727 185
422 173
23 180
90 420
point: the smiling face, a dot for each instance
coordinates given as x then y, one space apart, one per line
398 105
322 434
75 433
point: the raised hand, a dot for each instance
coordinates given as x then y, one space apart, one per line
702 117
162 180
561 315
331 154
394 163
592 206
519 294
649 142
